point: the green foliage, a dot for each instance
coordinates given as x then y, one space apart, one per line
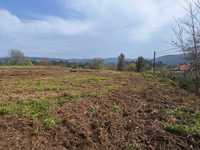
49 122
183 81
186 83
27 62
116 108
130 147
162 76
95 79
92 109
179 129
32 109
4 110
131 67
36 110
140 64
67 97
48 86
148 75
121 62
187 122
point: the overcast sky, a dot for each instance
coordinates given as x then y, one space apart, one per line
87 28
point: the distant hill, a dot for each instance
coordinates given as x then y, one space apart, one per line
167 59
172 59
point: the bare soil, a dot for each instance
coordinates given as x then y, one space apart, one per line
129 117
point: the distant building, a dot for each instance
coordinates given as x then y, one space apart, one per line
184 67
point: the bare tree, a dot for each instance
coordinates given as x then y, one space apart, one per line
16 56
187 32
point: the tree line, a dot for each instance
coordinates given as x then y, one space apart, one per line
17 57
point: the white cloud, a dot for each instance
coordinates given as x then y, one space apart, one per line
142 18
104 28
12 24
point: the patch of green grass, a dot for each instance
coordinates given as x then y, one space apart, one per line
130 147
4 109
48 86
112 88
95 79
92 109
178 129
148 76
67 97
31 109
88 80
187 122
49 122
35 110
116 108
163 77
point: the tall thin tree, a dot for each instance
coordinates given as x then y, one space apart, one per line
121 62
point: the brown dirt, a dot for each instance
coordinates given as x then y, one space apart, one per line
92 124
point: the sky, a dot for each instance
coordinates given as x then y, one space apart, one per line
87 28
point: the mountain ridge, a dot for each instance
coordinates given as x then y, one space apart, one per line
166 59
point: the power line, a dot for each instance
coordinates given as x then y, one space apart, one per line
169 50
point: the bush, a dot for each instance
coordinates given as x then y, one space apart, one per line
186 83
187 122
131 67
28 62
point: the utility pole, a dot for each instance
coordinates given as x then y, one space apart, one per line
154 62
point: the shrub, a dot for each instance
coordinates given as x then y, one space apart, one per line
187 122
131 67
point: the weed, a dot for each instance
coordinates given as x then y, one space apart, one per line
187 122
49 85
178 129
163 77
66 98
36 131
148 76
32 109
36 110
115 108
112 88
4 110
91 94
130 147
92 109
49 122
94 79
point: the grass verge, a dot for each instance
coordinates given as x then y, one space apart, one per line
186 122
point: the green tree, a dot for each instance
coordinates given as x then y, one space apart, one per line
140 64
121 62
